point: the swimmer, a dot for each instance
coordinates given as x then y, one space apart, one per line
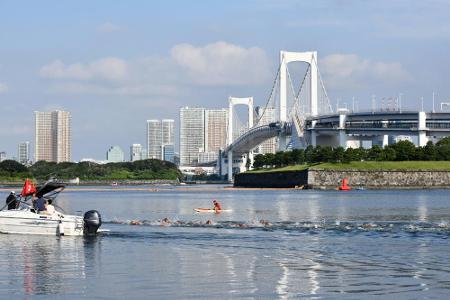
166 222
135 222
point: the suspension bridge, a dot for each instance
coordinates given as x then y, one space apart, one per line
303 115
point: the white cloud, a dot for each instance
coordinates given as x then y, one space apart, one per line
349 71
217 64
3 87
107 28
109 68
222 63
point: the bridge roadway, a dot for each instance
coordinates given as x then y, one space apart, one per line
255 136
382 123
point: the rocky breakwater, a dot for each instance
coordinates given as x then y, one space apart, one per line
379 179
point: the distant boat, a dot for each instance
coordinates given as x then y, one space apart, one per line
74 181
114 184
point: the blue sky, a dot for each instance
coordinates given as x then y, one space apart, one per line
115 64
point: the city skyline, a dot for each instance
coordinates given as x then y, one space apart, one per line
126 64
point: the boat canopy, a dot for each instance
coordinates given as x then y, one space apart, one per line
50 190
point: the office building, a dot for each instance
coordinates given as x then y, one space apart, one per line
135 152
265 117
23 153
216 121
2 156
53 136
192 134
114 154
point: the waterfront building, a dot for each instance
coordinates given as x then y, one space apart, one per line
266 117
192 134
169 153
23 153
2 156
53 136
160 133
135 152
115 154
216 121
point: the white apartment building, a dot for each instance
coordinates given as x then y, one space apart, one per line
53 136
160 133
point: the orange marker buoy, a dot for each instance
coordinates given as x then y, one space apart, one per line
344 186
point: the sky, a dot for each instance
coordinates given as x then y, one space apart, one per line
116 64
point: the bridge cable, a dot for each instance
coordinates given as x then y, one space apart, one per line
271 93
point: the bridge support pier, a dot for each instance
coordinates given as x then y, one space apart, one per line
422 134
422 140
230 166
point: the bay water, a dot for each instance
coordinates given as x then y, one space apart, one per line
274 244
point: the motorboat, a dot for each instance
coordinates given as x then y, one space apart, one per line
25 219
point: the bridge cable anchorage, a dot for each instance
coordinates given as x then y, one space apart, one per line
277 76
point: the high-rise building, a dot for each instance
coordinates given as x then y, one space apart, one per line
192 134
265 117
135 152
2 156
154 140
53 136
23 153
167 133
216 121
114 154
160 133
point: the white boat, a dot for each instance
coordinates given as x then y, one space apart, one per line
25 219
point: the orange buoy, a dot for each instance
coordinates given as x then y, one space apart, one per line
344 186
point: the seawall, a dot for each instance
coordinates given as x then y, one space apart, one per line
288 179
380 179
330 179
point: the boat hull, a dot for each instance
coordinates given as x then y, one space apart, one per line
27 222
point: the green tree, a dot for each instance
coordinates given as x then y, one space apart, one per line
375 153
338 154
429 151
405 150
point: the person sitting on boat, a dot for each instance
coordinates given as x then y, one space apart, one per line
217 207
11 201
39 204
49 208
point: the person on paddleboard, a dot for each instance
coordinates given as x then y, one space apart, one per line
217 207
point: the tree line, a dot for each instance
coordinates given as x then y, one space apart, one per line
401 151
148 169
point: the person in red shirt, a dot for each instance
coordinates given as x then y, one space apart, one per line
217 207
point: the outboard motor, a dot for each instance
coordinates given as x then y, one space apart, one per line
92 221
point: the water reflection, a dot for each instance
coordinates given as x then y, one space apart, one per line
46 263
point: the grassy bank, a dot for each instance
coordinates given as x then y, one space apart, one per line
386 166
366 166
283 169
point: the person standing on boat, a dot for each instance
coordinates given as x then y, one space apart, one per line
11 200
217 207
